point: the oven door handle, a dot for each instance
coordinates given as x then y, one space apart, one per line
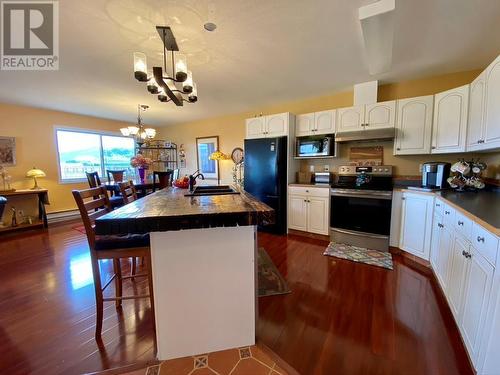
361 195
360 234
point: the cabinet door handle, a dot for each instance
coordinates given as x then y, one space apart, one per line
398 148
440 225
460 223
403 198
464 253
367 124
433 147
480 239
447 212
438 205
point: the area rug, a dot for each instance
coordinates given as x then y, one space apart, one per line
360 254
271 282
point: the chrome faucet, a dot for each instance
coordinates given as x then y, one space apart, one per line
192 179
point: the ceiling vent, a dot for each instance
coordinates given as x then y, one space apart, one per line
377 25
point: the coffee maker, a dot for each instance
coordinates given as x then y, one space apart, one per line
434 175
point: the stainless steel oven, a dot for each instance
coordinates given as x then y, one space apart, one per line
361 203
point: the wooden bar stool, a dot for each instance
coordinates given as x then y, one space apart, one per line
129 194
94 203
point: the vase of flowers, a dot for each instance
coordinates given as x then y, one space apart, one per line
142 163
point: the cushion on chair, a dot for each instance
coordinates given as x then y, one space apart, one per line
116 201
121 242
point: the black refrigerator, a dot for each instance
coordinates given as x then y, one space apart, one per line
266 162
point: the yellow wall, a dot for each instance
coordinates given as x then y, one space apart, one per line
35 146
231 129
35 139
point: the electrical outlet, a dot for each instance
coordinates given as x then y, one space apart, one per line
326 168
20 213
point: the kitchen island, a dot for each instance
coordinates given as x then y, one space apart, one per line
203 255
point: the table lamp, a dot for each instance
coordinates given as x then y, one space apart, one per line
35 173
217 156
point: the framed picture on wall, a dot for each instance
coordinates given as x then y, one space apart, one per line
7 151
205 146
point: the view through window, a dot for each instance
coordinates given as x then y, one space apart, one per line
81 152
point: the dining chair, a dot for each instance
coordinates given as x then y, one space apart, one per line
94 181
128 191
110 247
116 176
161 179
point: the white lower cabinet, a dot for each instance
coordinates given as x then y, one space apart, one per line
309 209
476 297
464 258
297 212
416 224
457 275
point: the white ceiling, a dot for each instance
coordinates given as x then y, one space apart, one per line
263 52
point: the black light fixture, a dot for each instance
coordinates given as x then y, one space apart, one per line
171 88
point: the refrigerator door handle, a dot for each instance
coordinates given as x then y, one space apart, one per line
272 196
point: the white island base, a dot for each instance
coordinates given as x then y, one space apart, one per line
204 283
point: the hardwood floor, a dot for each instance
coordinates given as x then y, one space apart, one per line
341 317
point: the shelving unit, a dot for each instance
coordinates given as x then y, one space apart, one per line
163 154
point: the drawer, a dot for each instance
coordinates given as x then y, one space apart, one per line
485 242
448 215
312 191
463 225
438 207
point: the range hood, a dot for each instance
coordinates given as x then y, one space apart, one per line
366 135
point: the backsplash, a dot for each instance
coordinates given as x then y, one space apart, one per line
404 165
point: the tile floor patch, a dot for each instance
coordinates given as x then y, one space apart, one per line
201 362
245 353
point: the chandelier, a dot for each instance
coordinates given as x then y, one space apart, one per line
169 88
139 132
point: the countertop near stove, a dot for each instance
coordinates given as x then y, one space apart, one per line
311 185
483 206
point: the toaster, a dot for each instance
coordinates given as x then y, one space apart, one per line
323 178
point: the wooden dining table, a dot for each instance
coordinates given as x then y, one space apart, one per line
142 187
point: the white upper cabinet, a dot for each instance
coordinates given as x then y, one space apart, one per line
324 122
449 129
491 132
255 127
268 126
380 115
349 119
476 113
370 116
304 124
276 125
315 123
414 126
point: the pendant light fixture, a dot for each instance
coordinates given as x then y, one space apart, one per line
175 87
139 132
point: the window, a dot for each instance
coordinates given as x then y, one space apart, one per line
81 152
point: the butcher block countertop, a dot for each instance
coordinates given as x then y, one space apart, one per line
170 210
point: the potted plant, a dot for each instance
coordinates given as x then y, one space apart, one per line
142 163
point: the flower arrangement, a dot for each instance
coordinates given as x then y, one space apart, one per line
140 161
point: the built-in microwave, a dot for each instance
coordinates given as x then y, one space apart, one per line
315 146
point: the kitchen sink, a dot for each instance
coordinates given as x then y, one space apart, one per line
211 190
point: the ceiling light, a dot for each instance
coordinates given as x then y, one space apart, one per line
210 26
138 131
171 87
